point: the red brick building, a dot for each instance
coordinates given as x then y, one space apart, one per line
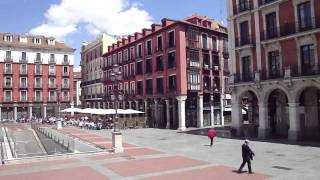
36 75
174 72
275 67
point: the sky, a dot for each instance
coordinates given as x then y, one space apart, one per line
76 21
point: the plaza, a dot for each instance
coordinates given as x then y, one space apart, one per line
166 154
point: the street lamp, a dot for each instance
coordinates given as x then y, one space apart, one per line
116 96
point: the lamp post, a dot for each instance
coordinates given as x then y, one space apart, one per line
116 96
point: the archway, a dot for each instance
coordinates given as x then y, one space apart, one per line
309 115
278 115
249 113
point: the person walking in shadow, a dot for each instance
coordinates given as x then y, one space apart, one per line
247 156
211 134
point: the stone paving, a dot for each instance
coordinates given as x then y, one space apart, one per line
167 154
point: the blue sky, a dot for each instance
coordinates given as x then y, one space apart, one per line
75 21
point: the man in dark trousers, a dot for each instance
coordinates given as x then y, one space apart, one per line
247 156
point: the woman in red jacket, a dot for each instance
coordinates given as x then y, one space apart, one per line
211 134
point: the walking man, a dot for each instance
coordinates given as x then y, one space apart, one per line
247 156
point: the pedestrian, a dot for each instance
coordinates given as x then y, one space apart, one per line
211 134
247 156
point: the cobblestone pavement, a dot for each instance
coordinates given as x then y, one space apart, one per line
167 154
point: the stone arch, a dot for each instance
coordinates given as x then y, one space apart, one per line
245 90
301 87
268 90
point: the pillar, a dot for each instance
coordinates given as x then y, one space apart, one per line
15 112
44 113
294 130
0 113
182 112
146 113
168 113
156 114
200 111
263 121
212 112
30 111
236 114
222 109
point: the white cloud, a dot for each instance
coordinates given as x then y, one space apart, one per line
116 17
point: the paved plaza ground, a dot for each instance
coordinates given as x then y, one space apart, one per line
168 154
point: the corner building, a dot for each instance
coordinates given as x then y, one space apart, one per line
174 72
275 67
36 75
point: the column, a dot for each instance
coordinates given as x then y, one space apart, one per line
182 113
222 109
156 114
236 114
146 113
44 113
294 130
200 111
15 112
0 113
168 113
263 121
30 111
212 112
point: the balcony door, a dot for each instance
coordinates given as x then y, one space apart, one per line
246 68
244 33
304 16
307 59
274 64
271 25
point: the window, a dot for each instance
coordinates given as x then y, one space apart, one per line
172 83
114 59
126 88
38 57
23 56
307 59
51 41
140 88
37 40
148 66
65 59
65 70
244 33
194 80
52 96
246 72
215 62
204 41
271 24
131 53
65 83
125 72
214 43
171 39
132 88
139 68
125 55
23 68
8 82
132 72
23 82
304 16
206 60
225 45
159 63
159 43
172 59
120 57
23 95
274 64
206 83
243 5
52 70
139 50
8 68
8 38
149 47
8 96
160 85
52 59
148 86
38 69
65 96
8 56
38 82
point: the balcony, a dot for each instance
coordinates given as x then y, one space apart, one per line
66 62
65 74
38 73
206 66
52 98
245 40
52 61
242 7
194 86
7 58
52 86
52 73
23 98
194 64
7 85
38 60
65 86
38 85
193 44
23 85
65 98
23 59
290 28
243 78
264 2
7 71
38 98
23 72
7 99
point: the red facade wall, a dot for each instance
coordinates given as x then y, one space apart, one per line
289 52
